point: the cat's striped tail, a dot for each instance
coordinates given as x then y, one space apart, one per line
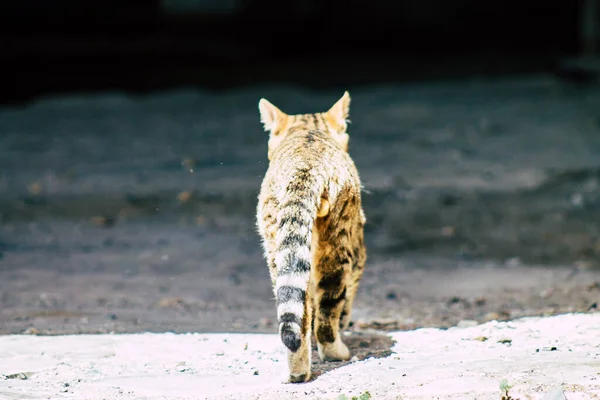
293 257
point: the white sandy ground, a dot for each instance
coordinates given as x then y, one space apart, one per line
426 364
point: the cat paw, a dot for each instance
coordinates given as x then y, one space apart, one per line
336 351
299 378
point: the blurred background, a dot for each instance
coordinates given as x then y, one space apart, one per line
137 45
131 155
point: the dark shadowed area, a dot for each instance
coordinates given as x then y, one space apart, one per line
131 155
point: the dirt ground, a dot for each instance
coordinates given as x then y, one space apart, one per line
129 214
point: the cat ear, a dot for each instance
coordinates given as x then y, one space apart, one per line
341 110
270 116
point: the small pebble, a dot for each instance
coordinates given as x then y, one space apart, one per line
552 348
181 367
480 301
184 197
20 375
491 316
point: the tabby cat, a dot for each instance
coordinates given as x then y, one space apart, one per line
311 221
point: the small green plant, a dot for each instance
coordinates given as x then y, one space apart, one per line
504 388
364 396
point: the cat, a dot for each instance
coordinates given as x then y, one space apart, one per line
311 221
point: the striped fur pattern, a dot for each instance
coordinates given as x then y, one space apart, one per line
311 221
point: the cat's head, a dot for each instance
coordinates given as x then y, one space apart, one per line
333 122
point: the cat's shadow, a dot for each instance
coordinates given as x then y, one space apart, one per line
362 345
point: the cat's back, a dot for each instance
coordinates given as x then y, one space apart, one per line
315 154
